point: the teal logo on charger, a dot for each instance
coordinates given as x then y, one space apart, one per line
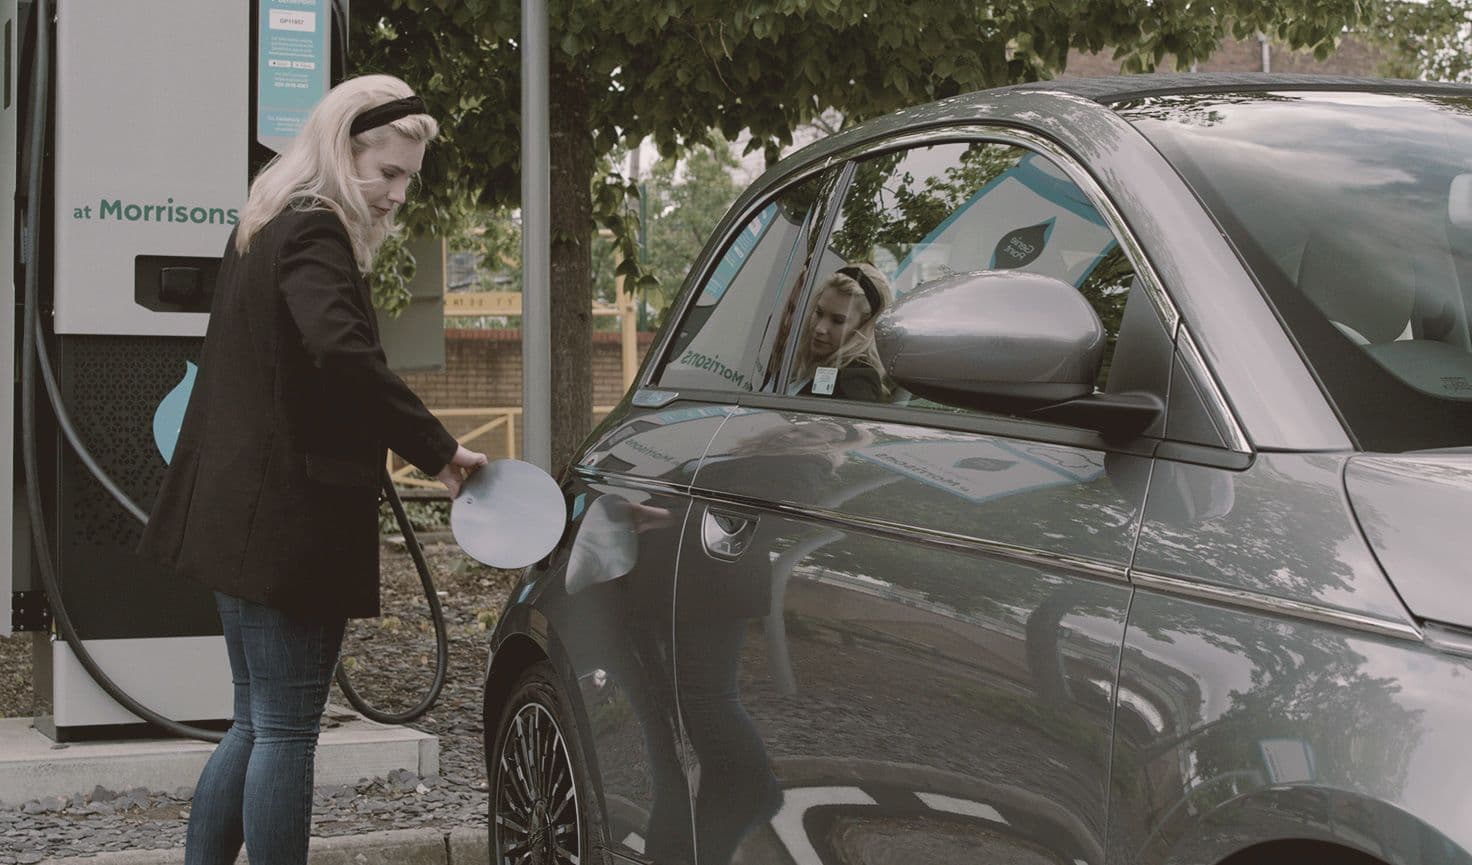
169 416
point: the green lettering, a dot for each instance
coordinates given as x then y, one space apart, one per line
114 207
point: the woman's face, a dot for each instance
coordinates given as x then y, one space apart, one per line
385 170
835 316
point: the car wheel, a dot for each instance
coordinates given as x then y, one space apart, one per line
540 813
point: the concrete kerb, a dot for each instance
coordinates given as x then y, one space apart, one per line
396 847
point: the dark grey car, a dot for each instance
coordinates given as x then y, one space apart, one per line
1155 551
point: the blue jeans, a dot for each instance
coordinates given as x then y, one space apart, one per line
256 788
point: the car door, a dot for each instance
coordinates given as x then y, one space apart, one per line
898 625
629 503
607 598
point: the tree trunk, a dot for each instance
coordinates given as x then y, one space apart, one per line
572 263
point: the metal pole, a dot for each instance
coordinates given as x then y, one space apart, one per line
536 240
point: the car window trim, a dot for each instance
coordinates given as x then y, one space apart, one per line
1204 455
978 423
1260 602
1216 401
810 279
1098 569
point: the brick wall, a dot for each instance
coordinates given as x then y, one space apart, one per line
483 369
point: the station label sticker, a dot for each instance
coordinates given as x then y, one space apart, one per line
291 67
824 377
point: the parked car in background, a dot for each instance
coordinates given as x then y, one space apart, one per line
1149 549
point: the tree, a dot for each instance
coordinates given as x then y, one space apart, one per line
1430 40
621 70
685 201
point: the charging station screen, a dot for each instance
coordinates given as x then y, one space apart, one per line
291 66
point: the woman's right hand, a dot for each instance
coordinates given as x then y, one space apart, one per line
461 466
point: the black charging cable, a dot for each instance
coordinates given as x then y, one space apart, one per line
34 355
436 614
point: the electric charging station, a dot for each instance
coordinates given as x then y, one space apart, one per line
159 110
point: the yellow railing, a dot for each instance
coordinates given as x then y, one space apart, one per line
499 418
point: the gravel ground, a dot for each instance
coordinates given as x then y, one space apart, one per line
401 646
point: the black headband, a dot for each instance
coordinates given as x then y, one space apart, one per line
871 292
388 112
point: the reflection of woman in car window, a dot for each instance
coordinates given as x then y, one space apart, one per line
837 356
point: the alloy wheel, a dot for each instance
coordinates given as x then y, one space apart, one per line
537 815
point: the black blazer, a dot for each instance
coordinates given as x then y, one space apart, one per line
272 494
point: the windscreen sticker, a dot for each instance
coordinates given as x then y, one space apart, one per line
986 469
736 255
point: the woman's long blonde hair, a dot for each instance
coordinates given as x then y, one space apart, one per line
860 341
316 171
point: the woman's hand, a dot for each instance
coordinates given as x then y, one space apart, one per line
461 466
648 517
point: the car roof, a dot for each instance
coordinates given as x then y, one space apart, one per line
1015 101
1121 87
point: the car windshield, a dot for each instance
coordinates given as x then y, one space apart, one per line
1354 213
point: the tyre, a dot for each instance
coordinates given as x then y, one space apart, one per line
541 812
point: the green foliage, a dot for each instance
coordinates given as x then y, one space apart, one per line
1430 40
684 208
423 517
676 70
495 239
889 211
393 268
682 199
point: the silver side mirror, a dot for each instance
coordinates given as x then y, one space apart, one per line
994 340
1012 343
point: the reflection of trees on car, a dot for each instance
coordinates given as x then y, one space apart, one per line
1106 288
1195 109
1308 712
1299 676
893 214
1280 537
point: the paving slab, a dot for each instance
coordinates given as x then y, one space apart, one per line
396 847
32 766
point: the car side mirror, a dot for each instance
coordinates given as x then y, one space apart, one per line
1010 342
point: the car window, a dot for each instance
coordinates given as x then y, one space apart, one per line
1359 231
719 343
913 216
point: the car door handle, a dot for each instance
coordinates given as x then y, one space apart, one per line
726 535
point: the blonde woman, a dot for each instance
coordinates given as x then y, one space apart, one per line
271 499
837 356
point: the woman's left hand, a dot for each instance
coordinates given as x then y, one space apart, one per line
461 466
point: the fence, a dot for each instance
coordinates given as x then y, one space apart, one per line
500 419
